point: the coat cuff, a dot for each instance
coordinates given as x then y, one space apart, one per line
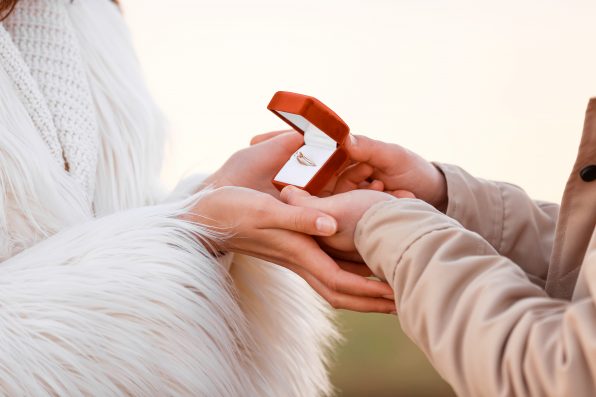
389 228
475 203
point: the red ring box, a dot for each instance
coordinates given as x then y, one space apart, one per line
324 135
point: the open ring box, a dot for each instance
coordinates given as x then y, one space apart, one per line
322 155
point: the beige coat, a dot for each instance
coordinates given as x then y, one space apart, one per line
500 295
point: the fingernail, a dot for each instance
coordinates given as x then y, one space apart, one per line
353 140
390 297
326 225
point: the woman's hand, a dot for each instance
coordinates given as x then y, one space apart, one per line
401 172
346 208
259 225
256 166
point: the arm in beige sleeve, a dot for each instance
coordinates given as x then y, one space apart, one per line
486 328
504 215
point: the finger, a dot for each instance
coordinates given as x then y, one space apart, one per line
363 270
320 265
352 177
287 142
340 300
376 153
355 268
266 136
329 188
402 194
307 254
377 185
337 299
338 255
292 195
299 219
353 284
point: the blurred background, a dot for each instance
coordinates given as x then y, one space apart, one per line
497 87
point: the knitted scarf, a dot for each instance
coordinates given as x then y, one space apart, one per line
44 58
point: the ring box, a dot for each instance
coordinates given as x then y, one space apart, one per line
322 156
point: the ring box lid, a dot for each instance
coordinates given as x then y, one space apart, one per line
302 112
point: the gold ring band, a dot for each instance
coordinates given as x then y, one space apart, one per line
302 159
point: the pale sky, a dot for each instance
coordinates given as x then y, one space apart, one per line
499 87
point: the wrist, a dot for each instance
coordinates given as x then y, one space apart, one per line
213 243
205 214
217 180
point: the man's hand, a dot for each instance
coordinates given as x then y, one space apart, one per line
346 208
259 225
401 172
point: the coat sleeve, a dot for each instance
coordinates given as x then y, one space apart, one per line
487 329
503 214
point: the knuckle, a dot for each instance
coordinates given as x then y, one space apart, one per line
262 208
332 282
264 202
297 222
334 301
301 221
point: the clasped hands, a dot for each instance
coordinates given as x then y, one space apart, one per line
314 236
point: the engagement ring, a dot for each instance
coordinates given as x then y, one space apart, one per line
302 159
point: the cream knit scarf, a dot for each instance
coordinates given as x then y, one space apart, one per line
39 50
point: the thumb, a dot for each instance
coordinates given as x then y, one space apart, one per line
267 136
361 148
378 154
352 177
294 196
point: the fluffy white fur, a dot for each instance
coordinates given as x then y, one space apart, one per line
128 301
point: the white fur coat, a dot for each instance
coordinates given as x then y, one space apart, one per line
103 290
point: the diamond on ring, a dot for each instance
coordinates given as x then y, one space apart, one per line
302 159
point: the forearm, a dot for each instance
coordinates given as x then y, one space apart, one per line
487 329
504 215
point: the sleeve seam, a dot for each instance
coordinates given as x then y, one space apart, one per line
500 234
